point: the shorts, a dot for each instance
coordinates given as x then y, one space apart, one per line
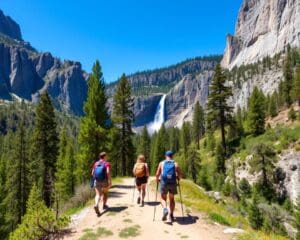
141 180
168 188
102 186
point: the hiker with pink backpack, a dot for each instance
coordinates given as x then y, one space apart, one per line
141 173
102 181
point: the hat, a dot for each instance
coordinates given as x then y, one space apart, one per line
169 153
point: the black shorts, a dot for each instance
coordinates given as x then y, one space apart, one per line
168 188
141 180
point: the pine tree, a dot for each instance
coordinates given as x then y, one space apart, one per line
44 148
65 175
17 184
256 112
254 214
186 137
273 105
95 105
220 159
198 123
123 117
296 86
263 162
161 146
193 161
218 109
288 75
92 136
144 146
174 138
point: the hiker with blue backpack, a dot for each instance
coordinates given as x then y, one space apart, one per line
168 173
102 181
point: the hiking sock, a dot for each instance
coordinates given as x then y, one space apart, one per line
165 214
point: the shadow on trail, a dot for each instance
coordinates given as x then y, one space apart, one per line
115 194
123 186
114 210
152 204
186 220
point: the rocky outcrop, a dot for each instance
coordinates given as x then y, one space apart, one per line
181 99
9 27
264 27
26 73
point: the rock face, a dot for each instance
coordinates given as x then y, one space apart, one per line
26 73
264 27
184 83
9 27
181 99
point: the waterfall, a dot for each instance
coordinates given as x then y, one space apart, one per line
159 116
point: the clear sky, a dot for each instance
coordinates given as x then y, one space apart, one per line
125 35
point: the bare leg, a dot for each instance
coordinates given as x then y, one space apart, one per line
164 200
164 205
143 191
172 203
97 197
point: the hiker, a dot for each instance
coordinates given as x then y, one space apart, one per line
168 172
101 174
141 173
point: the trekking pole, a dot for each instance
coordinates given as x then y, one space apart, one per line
155 201
133 190
181 200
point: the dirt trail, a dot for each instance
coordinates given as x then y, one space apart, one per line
124 213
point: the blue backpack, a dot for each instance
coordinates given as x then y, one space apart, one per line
168 174
100 173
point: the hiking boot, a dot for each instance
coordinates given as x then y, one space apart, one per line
105 207
172 217
165 214
97 210
138 200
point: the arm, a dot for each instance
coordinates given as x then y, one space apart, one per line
158 172
108 175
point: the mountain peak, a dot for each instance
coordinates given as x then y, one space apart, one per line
9 27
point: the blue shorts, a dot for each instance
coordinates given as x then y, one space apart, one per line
168 188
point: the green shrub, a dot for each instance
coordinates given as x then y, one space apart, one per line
245 187
39 221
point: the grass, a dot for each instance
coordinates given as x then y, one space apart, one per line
90 235
103 232
132 231
259 236
195 198
218 218
127 220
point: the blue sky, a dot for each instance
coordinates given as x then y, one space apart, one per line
125 35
